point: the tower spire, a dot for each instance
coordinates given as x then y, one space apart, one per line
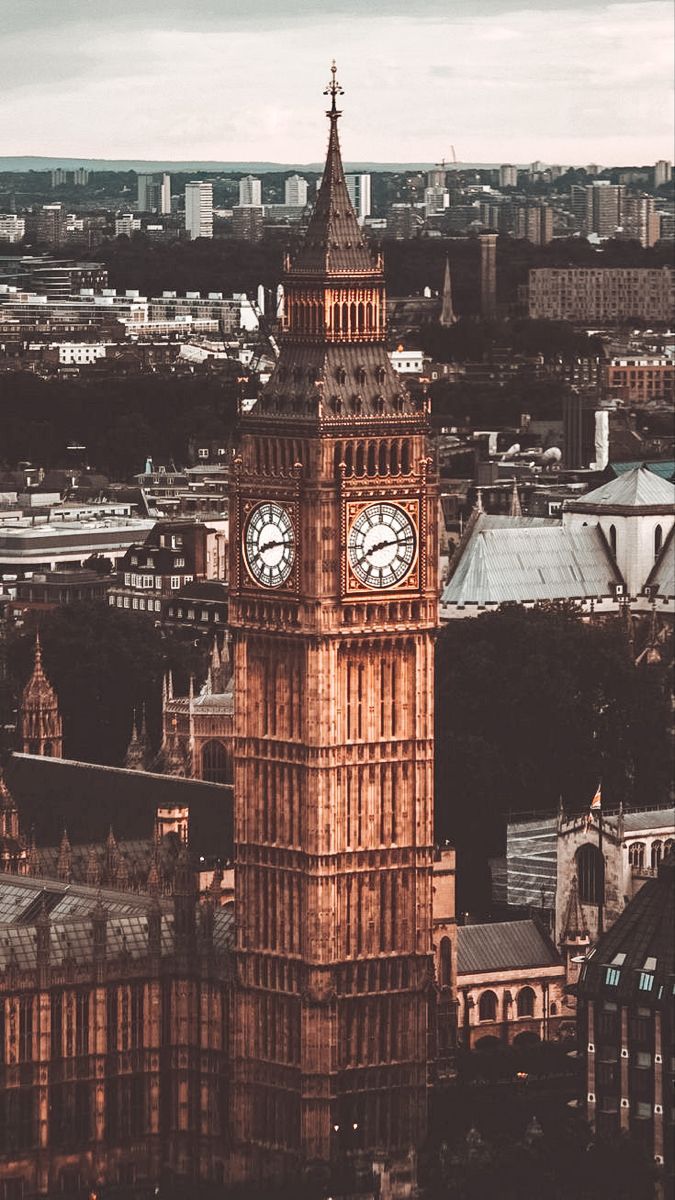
333 89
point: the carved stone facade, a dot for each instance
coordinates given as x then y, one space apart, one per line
333 608
114 1024
197 730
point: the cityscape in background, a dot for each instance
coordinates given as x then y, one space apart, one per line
337 586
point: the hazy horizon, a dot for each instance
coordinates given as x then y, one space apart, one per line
558 80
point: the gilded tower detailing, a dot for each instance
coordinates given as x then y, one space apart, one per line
39 728
333 609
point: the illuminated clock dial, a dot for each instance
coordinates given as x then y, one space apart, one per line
381 545
269 544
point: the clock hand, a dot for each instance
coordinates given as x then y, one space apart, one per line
270 546
398 541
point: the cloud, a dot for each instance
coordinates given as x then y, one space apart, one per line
557 81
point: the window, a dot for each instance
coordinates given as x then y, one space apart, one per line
658 540
636 855
487 1007
612 976
656 853
612 539
26 1029
591 874
175 582
446 962
82 1025
646 981
216 765
526 1002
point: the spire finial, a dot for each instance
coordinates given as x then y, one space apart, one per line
333 89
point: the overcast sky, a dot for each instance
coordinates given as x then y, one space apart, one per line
566 81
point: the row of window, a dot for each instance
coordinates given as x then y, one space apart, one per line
487 1004
658 851
138 603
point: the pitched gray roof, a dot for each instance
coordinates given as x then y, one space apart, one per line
520 562
638 488
663 572
507 945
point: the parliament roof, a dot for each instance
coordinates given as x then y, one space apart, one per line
24 901
524 560
88 799
503 946
638 488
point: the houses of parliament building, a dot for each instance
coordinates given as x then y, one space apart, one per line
145 1035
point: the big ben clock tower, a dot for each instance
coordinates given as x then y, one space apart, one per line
333 606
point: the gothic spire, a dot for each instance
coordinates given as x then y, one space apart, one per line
39 724
334 241
447 316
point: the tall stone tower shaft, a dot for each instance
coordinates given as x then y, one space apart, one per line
333 608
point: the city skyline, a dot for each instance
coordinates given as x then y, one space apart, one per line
564 82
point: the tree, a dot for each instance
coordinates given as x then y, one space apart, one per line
104 664
534 705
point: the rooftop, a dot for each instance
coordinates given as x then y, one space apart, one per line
635 960
529 559
636 488
504 946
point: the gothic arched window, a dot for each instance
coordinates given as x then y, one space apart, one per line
526 1002
591 873
216 765
612 539
658 540
487 1007
446 962
656 852
636 855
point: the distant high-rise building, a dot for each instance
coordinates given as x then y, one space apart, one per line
436 200
578 203
126 225
488 274
199 209
663 171
401 221
604 208
508 175
51 224
640 221
537 167
534 222
81 177
437 178
358 187
593 169
247 222
165 194
146 192
59 177
154 193
12 228
250 191
295 192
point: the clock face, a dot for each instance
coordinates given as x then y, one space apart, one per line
381 545
269 544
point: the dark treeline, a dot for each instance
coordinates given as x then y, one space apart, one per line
104 665
227 264
120 421
533 707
